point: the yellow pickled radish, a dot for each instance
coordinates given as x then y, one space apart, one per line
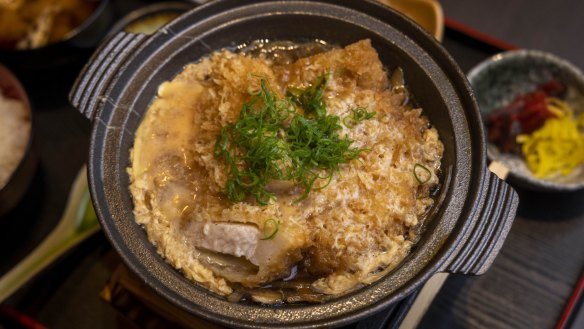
558 146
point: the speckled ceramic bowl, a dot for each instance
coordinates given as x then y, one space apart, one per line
499 79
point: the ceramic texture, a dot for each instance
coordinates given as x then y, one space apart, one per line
463 234
499 79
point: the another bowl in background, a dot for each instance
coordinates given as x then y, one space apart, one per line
498 80
19 170
464 233
74 47
427 13
148 19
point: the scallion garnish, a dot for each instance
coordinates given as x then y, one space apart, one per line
310 99
422 173
358 115
284 139
275 224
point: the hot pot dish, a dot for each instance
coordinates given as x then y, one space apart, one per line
261 190
317 172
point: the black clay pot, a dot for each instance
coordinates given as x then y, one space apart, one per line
474 209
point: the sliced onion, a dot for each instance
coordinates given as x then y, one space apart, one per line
267 296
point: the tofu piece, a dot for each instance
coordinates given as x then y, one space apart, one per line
239 240
231 243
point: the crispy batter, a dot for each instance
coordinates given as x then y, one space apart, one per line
364 222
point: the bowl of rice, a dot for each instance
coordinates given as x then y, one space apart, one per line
16 158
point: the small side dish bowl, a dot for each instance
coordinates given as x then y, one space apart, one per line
427 13
148 19
17 159
501 79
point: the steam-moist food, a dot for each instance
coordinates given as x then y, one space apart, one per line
345 233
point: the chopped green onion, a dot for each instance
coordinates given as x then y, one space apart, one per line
359 114
276 225
420 169
349 122
284 139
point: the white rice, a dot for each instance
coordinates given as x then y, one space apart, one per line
15 123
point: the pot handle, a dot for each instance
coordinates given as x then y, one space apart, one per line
103 68
492 221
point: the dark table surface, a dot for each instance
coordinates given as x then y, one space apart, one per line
538 266
553 26
527 287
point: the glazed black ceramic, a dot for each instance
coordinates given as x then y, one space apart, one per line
473 211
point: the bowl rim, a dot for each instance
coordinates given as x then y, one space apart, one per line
15 82
69 36
22 96
504 58
150 9
468 148
507 55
